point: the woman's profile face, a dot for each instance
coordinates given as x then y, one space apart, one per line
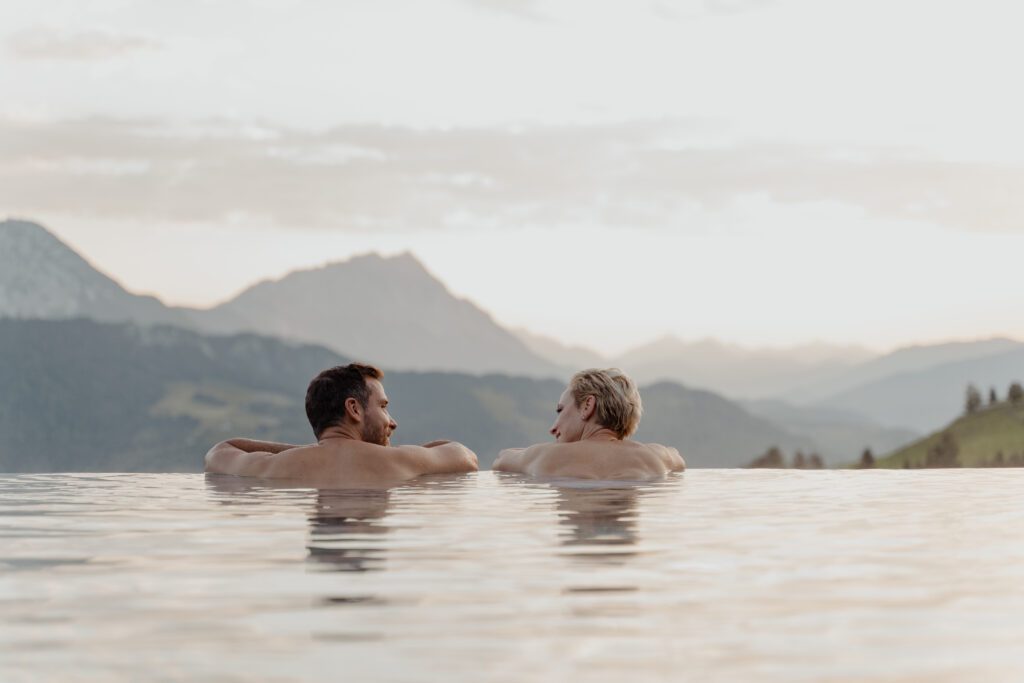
569 421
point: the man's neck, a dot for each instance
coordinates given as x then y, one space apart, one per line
344 432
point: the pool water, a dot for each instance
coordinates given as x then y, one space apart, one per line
725 575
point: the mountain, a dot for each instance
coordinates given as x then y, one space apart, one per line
388 311
927 398
572 358
736 371
77 395
839 436
41 277
906 360
993 435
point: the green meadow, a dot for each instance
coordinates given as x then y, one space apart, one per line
973 440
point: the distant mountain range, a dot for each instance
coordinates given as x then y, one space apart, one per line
840 435
388 311
911 359
923 399
571 358
393 312
78 395
838 396
843 398
739 372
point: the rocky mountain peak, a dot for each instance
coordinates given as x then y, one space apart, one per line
41 277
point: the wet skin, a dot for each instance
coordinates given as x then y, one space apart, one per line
587 450
355 453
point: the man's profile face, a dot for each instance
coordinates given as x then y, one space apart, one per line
569 422
377 423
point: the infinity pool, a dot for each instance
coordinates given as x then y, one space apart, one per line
725 575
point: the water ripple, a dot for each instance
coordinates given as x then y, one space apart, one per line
721 575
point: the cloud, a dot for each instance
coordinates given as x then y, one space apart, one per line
357 178
538 10
523 9
735 6
40 43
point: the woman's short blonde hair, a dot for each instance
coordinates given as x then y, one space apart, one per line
618 400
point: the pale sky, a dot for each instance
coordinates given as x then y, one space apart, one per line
768 172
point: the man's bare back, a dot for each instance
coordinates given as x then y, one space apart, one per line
353 450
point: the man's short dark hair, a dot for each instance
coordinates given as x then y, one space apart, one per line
328 391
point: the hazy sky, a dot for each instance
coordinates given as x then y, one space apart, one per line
762 171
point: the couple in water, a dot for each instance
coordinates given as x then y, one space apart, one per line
348 411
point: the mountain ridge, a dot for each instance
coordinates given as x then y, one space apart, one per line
933 396
409 303
42 277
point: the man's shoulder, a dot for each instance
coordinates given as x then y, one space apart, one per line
316 456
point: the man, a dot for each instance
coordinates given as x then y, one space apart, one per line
348 411
595 414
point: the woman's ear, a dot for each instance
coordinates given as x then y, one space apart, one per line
353 409
588 408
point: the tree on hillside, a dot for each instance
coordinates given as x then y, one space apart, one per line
815 462
867 459
771 458
799 461
993 398
973 399
944 454
1016 393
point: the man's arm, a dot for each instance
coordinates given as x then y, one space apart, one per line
449 457
243 457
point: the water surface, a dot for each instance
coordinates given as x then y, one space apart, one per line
712 575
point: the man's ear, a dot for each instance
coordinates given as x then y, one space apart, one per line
588 408
353 409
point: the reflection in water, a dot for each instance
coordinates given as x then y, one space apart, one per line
601 523
344 524
251 494
345 530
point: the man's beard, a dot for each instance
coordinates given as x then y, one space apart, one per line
375 434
